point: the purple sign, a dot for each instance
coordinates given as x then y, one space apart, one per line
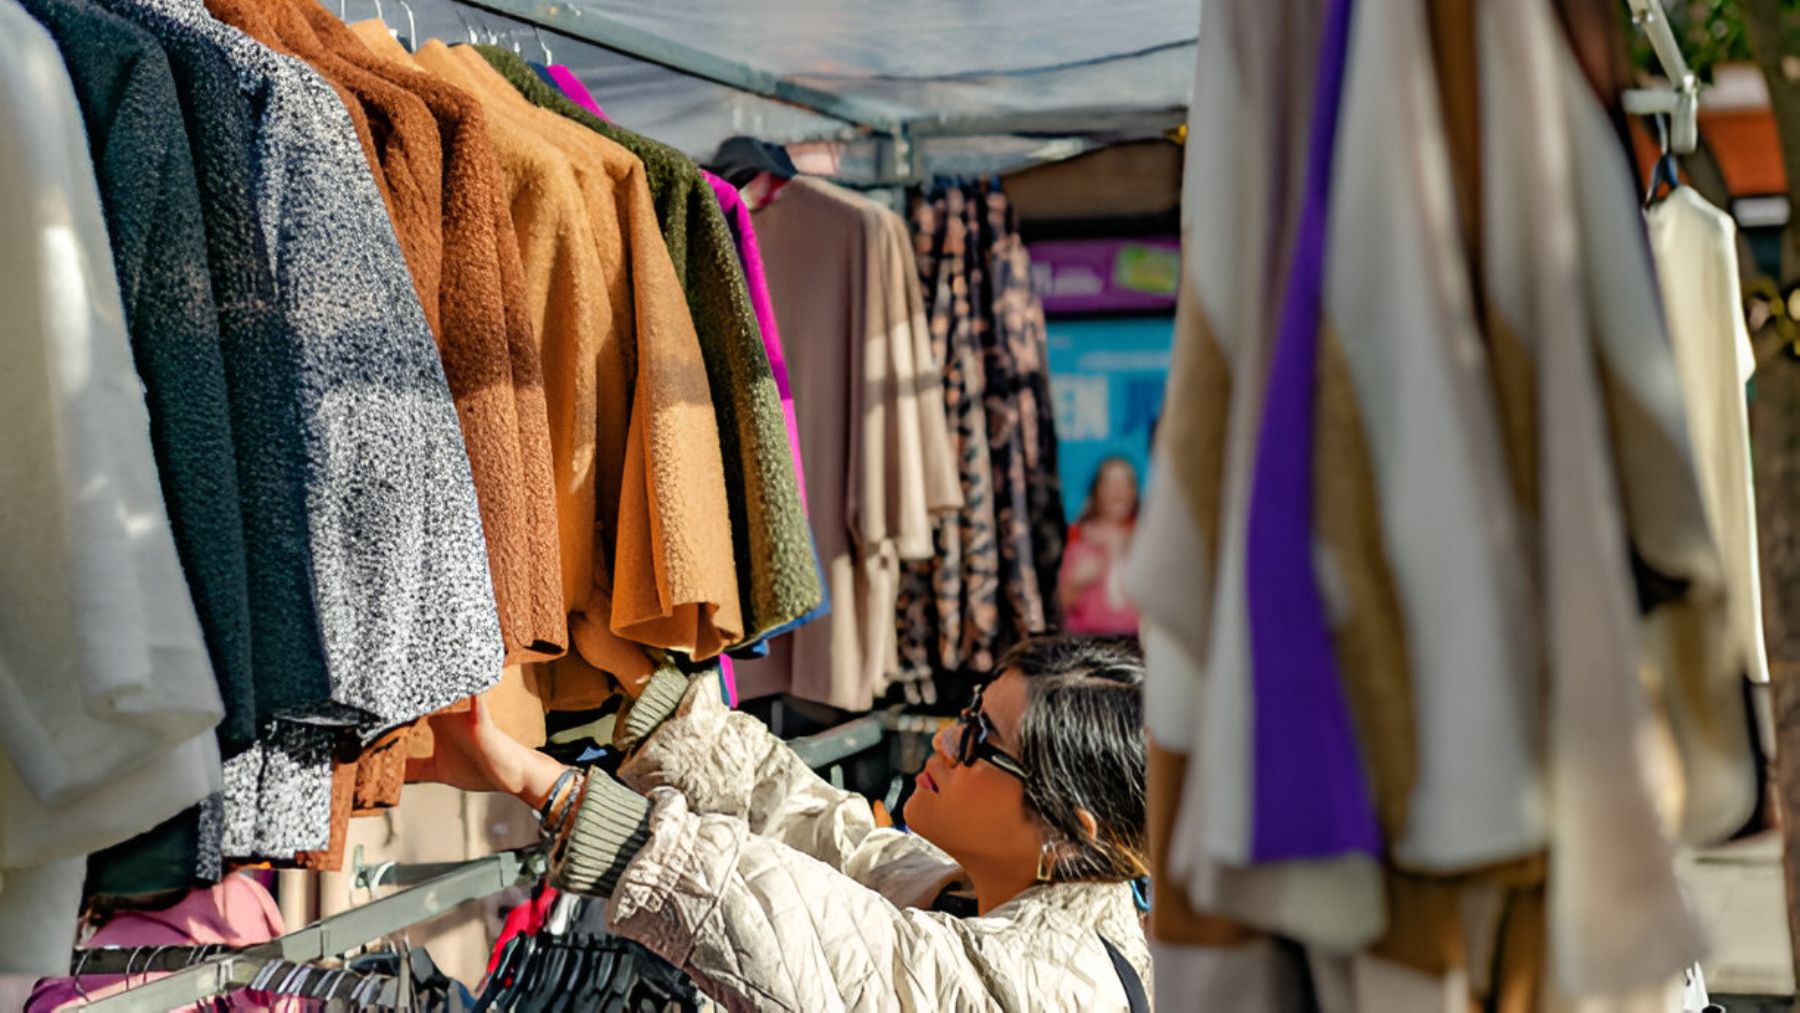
1086 276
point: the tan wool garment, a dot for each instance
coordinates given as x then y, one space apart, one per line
619 351
673 570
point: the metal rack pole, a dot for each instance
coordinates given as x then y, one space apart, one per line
332 936
621 36
1682 100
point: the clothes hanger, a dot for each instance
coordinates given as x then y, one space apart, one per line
412 29
1666 170
512 956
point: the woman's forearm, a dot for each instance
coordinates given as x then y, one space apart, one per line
537 778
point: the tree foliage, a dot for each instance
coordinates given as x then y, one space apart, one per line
1712 32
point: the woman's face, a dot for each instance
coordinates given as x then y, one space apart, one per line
976 811
1116 494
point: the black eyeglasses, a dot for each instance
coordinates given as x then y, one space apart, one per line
975 746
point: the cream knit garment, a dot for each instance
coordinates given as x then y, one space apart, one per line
107 697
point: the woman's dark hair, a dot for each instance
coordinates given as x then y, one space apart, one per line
1088 507
1082 738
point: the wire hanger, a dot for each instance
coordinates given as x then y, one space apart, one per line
412 28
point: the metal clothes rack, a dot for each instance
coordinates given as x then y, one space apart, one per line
1681 100
438 889
197 973
899 129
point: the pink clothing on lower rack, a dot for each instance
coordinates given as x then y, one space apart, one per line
571 86
236 912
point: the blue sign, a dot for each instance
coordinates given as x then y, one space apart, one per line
1107 378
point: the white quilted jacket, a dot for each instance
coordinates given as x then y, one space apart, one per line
776 891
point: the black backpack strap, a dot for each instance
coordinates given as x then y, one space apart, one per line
1137 1000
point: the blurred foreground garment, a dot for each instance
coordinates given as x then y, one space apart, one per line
1447 569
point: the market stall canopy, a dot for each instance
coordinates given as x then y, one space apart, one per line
1007 72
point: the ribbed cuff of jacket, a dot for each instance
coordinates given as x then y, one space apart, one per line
611 824
658 702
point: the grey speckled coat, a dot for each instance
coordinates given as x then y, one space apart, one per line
399 578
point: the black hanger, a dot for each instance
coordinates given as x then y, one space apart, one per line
530 989
592 991
741 159
512 959
574 972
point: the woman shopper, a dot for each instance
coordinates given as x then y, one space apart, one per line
776 891
1091 585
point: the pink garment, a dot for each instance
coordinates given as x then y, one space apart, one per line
236 912
1102 609
572 87
728 681
738 215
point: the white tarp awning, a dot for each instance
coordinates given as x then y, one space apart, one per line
986 67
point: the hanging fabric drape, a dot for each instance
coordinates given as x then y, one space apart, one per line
1514 489
447 387
991 578
842 282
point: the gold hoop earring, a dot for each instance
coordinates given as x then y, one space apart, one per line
1046 864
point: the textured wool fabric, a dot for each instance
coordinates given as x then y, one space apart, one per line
743 233
778 580
586 316
145 170
106 728
565 305
489 348
287 656
617 195
405 606
400 141
395 129
287 659
661 510
756 282
104 669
